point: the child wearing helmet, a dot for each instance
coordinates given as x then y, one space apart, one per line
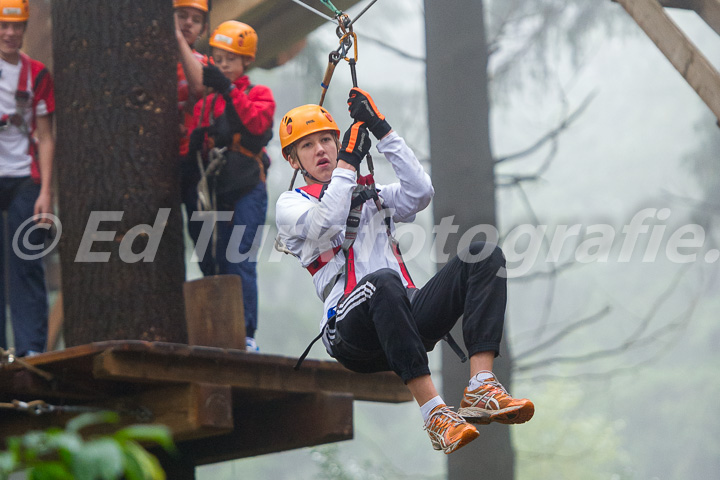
238 118
190 24
27 145
340 227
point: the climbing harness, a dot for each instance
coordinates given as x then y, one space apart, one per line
209 188
207 198
22 104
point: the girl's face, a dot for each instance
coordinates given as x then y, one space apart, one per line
191 22
230 64
317 153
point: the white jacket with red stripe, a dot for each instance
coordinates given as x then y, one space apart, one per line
309 226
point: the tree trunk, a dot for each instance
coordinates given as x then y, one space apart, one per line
462 173
117 149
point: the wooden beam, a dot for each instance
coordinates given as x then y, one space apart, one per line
709 10
214 311
140 364
248 371
681 52
681 4
281 25
277 425
191 411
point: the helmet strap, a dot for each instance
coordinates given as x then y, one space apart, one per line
307 174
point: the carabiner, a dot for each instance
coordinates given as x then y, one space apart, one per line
345 39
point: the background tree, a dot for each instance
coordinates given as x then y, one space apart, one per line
462 172
114 64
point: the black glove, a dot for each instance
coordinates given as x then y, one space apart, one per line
232 116
197 139
214 78
221 132
255 143
363 109
355 145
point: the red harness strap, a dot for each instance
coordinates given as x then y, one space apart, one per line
322 260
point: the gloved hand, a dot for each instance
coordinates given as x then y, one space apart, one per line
363 109
197 139
255 143
214 78
233 118
355 145
221 132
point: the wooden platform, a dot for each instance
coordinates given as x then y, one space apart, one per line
220 404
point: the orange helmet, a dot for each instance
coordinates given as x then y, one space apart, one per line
199 4
14 11
302 121
235 37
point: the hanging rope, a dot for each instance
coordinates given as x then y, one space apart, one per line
348 41
317 12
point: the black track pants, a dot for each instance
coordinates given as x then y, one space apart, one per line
379 326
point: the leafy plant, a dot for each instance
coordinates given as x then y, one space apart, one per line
57 454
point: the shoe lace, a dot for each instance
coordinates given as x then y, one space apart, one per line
442 419
496 387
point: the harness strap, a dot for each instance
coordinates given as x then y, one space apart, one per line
455 347
364 191
22 101
307 351
322 260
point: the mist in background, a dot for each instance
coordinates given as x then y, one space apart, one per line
620 357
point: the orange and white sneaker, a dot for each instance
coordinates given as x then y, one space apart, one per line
490 402
448 431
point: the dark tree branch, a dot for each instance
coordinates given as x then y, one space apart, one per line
392 48
552 134
587 321
541 274
633 341
552 277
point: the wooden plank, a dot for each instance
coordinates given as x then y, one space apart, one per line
136 364
280 25
681 4
681 52
248 371
190 411
214 311
275 426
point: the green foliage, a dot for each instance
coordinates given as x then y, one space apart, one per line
56 454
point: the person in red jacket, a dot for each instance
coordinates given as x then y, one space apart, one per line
190 24
235 121
27 146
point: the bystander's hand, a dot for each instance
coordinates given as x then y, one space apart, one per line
214 78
